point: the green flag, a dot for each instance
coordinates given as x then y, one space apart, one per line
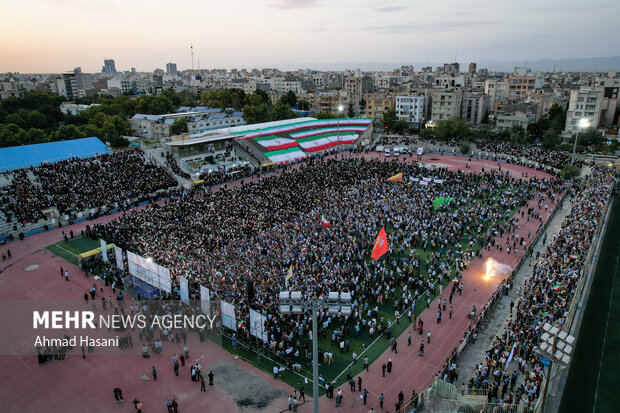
437 203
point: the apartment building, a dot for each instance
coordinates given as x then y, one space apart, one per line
474 107
508 120
445 104
357 87
610 86
585 103
376 104
282 85
410 109
158 126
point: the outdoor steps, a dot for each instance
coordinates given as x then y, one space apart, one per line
253 149
155 155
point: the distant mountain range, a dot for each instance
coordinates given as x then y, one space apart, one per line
589 64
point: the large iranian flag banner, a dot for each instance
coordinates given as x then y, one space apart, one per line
326 141
275 143
324 131
286 155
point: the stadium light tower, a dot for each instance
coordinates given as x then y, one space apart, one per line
583 123
340 109
336 303
557 347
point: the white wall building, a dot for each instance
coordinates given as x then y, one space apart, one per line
410 108
584 103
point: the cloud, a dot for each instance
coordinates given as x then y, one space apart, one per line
433 26
294 4
390 9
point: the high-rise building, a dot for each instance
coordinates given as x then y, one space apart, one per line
71 88
452 68
171 68
472 68
109 67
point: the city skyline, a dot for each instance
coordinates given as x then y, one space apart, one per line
285 33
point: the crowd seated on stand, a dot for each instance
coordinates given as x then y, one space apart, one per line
101 182
22 201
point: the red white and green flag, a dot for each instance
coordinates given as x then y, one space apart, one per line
275 143
285 155
573 257
325 222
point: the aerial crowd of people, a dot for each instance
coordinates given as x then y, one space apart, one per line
266 229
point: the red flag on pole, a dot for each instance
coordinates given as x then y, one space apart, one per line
381 245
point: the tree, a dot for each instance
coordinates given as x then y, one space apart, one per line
570 171
465 147
223 98
15 119
589 137
282 110
256 113
400 127
453 127
389 118
179 126
289 98
551 139
68 132
154 105
34 135
303 104
517 134
325 115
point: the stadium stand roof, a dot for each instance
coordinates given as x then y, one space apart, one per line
17 157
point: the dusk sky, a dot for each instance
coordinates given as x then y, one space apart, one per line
58 35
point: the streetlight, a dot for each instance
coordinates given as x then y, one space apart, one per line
583 123
556 347
294 303
340 109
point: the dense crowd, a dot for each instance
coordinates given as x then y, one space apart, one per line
258 231
555 159
545 298
76 185
22 201
219 177
79 184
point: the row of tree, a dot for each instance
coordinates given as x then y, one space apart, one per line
36 117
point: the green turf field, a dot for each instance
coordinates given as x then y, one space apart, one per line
592 383
69 250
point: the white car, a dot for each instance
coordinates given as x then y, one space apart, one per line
387 153
396 152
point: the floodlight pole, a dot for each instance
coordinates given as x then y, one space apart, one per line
315 356
315 304
572 158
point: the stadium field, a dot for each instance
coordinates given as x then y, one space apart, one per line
69 250
592 383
